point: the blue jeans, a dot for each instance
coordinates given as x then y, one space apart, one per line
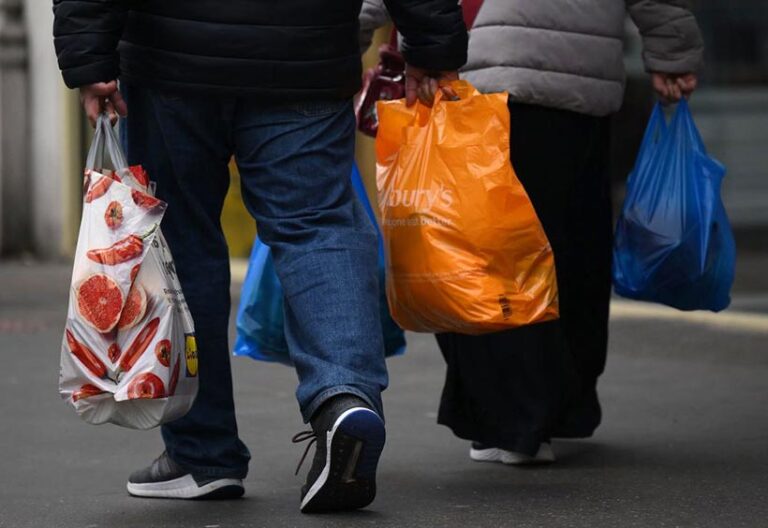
294 162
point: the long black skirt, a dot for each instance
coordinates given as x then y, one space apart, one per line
518 388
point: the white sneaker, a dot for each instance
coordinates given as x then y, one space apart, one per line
481 453
166 479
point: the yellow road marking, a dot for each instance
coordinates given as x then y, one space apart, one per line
238 267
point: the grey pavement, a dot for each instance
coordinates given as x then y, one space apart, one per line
684 441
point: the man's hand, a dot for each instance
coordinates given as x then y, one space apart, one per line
423 85
672 87
103 97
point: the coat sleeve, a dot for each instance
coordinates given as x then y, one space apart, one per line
672 41
86 34
434 34
373 15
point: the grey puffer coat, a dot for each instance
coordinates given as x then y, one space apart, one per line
568 54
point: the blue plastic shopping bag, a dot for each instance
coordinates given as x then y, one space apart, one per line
674 243
260 332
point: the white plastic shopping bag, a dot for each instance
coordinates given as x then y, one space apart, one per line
128 354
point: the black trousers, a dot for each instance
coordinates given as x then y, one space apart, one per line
518 388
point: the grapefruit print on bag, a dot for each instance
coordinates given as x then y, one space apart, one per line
128 320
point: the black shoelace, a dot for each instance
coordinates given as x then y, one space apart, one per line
303 437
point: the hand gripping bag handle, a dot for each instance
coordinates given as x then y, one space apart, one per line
421 113
105 137
463 89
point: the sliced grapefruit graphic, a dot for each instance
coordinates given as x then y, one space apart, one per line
174 377
99 302
135 308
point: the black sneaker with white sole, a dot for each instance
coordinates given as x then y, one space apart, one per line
166 479
349 438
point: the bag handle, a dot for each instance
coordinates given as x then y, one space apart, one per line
440 95
104 137
654 131
682 122
393 38
420 113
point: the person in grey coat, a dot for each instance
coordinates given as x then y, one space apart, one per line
511 392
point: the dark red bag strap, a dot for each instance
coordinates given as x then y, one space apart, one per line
471 8
393 38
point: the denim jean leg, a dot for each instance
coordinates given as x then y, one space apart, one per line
295 162
183 142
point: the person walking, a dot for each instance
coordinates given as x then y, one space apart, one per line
270 83
511 392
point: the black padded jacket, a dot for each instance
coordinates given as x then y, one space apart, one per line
276 49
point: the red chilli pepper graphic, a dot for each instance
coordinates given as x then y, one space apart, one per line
113 352
144 201
98 189
174 377
121 251
86 356
139 344
86 180
139 174
86 391
113 174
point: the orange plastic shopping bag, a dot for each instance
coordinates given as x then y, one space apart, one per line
465 250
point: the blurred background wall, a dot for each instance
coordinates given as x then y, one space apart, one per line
43 136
